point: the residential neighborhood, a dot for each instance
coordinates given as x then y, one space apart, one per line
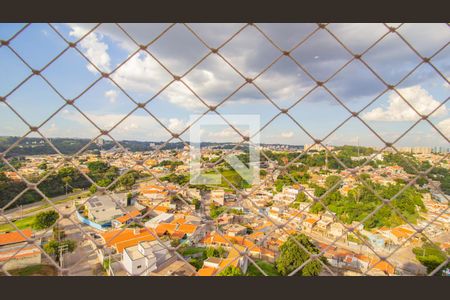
157 224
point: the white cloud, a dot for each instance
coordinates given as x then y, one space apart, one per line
287 135
399 110
444 127
176 125
95 50
111 95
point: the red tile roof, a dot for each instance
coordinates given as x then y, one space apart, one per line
15 237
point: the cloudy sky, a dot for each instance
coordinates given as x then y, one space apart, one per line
142 78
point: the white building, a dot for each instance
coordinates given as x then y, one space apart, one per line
162 218
218 196
102 209
144 258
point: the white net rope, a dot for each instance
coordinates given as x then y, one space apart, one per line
183 194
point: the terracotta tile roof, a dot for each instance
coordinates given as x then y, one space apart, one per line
311 220
401 232
161 208
179 221
385 267
14 237
178 234
232 261
126 238
123 219
206 271
162 228
187 228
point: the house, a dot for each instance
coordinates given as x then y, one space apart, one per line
323 225
13 176
180 231
218 196
104 208
125 219
309 223
234 229
336 230
15 252
145 257
174 268
161 218
214 265
213 239
376 240
155 192
119 239
398 235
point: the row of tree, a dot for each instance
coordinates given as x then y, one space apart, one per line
65 180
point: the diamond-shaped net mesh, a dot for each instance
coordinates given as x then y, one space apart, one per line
162 225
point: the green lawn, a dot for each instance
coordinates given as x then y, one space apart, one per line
268 268
191 250
21 224
233 177
35 270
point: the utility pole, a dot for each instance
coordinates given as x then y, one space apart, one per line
62 249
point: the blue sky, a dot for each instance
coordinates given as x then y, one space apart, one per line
142 77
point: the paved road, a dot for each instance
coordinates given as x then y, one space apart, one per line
83 261
21 212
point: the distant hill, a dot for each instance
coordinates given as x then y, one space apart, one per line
68 146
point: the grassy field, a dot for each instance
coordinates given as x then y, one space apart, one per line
231 176
21 224
191 250
268 268
28 221
35 270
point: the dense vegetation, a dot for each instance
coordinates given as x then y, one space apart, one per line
292 256
360 202
53 247
431 256
45 219
231 271
65 180
215 211
319 159
411 166
268 268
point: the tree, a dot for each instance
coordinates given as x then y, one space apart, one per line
231 271
106 264
196 263
43 166
331 180
93 189
210 252
430 256
293 256
215 211
129 197
45 219
196 203
53 247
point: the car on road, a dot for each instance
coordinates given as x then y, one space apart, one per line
94 235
